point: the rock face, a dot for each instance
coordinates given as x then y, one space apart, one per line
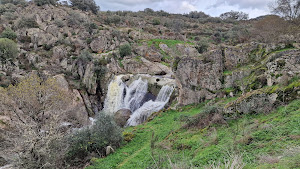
197 77
234 79
144 66
100 44
75 110
89 78
121 117
283 66
148 53
254 103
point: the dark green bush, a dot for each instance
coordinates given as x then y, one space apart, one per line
125 50
85 5
202 46
8 33
156 21
27 22
8 50
44 2
105 132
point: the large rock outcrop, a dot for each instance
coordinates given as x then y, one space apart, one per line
198 78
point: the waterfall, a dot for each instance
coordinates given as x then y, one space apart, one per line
115 96
141 114
135 94
119 96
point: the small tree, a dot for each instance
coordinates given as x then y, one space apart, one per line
234 15
8 50
197 15
85 5
288 9
125 50
37 136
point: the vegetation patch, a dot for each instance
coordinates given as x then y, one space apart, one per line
249 137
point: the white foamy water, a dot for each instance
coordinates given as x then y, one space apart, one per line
119 96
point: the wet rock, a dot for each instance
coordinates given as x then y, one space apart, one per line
121 117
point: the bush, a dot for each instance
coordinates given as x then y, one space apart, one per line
8 50
44 2
156 21
202 46
59 23
75 19
125 50
15 2
8 33
85 5
85 56
105 132
210 115
115 19
10 8
27 22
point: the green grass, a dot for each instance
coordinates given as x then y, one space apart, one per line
253 136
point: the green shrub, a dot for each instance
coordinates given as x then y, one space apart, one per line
15 2
202 46
115 19
85 5
8 50
27 22
156 21
105 132
8 33
125 50
44 2
9 8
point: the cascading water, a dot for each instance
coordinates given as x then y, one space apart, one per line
120 96
141 114
115 96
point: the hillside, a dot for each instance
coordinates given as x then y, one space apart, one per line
161 90
255 141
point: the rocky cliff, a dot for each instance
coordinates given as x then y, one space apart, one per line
80 51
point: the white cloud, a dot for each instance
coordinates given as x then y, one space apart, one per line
186 7
213 7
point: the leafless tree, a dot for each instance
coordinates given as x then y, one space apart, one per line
35 135
288 9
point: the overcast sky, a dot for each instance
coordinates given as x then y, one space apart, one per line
212 7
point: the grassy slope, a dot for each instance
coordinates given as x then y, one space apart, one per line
253 136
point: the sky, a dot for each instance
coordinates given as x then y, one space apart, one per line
254 8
